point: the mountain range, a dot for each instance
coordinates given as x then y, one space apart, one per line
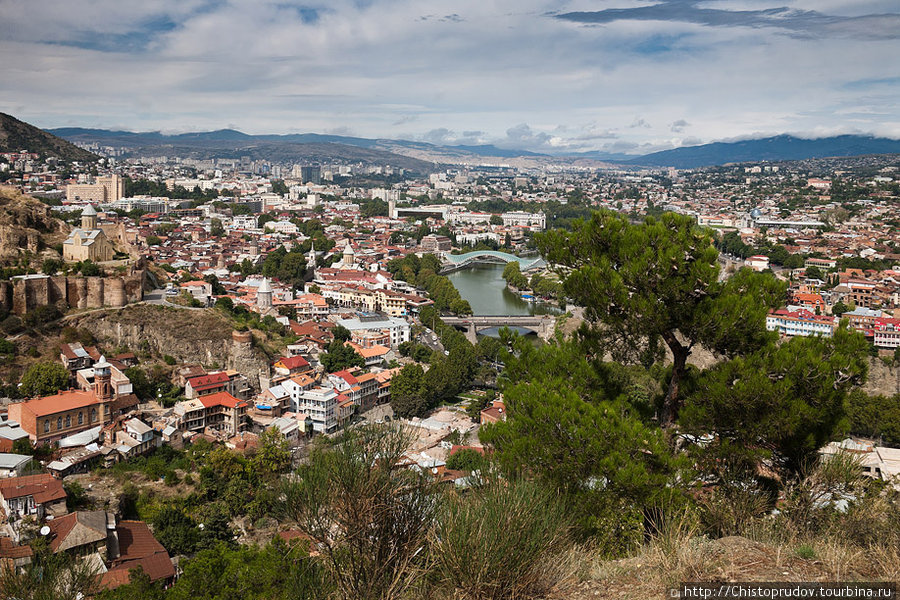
415 156
313 146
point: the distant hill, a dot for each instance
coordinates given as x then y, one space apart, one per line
424 157
781 147
228 143
16 135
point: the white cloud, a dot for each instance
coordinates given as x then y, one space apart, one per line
502 72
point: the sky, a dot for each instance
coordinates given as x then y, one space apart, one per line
627 76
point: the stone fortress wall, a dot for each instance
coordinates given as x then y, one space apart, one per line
21 295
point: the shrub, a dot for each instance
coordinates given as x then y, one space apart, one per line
495 542
369 518
466 459
730 509
169 360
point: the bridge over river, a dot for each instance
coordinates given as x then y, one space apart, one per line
542 325
453 262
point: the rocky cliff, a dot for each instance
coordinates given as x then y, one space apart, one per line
883 380
190 336
26 226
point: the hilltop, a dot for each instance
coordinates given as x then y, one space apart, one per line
17 136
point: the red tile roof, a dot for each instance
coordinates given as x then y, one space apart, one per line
9 550
206 382
137 548
294 362
220 399
346 376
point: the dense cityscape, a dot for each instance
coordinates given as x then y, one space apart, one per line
394 300
336 297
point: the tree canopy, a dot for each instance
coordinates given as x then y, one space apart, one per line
782 402
659 281
44 379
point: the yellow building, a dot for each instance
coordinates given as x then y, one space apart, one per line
106 189
89 242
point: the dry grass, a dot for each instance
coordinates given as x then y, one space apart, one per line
802 544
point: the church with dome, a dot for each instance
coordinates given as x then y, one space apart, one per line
88 242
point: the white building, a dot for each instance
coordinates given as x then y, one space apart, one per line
887 333
281 227
398 329
320 404
524 219
800 323
244 222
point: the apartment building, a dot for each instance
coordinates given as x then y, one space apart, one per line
398 330
217 412
800 323
886 333
321 405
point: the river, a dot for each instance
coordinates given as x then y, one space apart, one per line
483 286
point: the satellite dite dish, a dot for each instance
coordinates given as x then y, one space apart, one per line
45 530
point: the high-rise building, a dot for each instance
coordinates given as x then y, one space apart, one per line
311 174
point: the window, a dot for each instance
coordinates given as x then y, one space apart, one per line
93 415
80 418
68 421
46 425
59 422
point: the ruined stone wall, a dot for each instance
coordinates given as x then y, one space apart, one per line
22 295
114 292
95 292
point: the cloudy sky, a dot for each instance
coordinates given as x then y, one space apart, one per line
616 75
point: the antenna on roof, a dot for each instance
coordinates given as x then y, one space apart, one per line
45 530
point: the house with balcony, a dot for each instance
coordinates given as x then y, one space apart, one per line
321 405
219 412
38 495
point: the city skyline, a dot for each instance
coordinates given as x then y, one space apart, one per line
624 76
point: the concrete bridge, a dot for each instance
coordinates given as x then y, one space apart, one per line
452 262
543 325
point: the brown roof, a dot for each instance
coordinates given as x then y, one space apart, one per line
156 566
44 488
10 550
208 382
77 529
136 541
138 548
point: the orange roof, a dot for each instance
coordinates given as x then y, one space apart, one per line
302 380
220 399
63 401
376 350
